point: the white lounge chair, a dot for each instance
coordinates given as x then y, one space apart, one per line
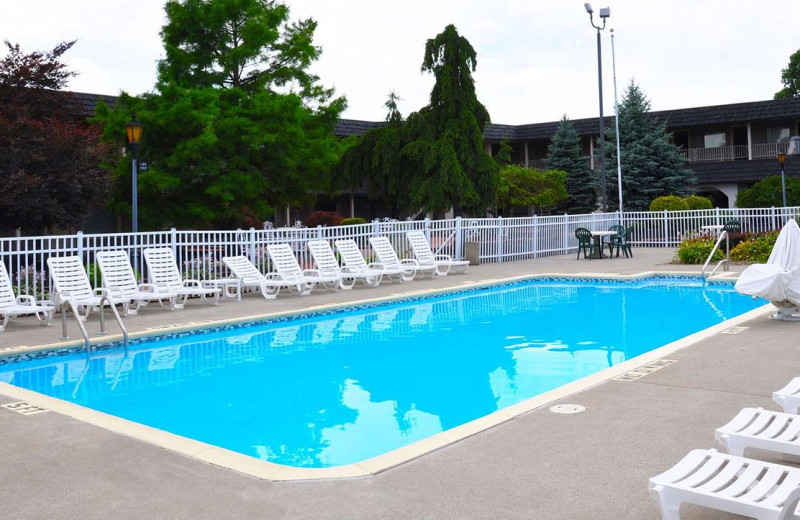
779 279
12 306
762 429
289 272
118 278
71 284
788 397
163 272
388 257
441 264
249 276
354 261
326 263
728 483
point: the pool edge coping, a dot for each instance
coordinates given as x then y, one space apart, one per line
280 473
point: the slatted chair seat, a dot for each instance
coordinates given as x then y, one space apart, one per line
163 272
325 261
762 429
354 261
387 257
250 277
71 284
788 397
441 263
289 272
12 306
117 276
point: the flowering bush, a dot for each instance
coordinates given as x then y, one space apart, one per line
695 249
755 247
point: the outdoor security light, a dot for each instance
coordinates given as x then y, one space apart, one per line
605 12
134 129
588 8
782 159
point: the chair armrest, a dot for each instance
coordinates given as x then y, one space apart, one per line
409 262
192 283
312 272
26 299
443 258
111 292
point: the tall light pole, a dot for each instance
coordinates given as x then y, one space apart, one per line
605 12
616 123
134 129
782 161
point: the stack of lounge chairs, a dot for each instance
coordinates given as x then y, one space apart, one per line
735 484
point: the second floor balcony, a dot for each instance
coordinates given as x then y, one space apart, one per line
733 153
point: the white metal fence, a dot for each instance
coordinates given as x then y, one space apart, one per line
199 253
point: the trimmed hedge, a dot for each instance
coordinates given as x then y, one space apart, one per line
669 203
352 221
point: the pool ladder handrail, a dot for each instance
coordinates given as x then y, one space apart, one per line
64 299
725 262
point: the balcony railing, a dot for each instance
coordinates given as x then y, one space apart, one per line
732 153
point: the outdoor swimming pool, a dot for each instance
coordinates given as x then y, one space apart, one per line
340 387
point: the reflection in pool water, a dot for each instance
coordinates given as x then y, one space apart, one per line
335 389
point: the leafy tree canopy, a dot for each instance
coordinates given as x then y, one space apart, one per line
236 125
564 154
521 186
790 77
768 193
50 175
651 165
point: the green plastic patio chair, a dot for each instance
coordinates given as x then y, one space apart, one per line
732 226
616 240
585 242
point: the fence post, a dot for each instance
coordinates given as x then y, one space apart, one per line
459 247
666 229
716 217
253 245
566 233
774 222
319 231
79 244
535 228
173 238
376 227
499 239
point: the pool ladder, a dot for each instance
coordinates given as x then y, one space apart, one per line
725 262
61 304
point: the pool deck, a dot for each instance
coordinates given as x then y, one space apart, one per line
539 465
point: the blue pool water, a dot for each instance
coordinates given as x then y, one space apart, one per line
345 386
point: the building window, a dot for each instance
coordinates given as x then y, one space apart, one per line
778 134
714 140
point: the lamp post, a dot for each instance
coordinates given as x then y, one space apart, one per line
616 123
134 129
605 12
782 162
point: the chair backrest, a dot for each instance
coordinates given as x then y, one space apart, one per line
323 257
619 229
68 275
351 254
421 248
242 267
116 270
162 267
628 233
386 253
583 235
284 262
732 226
7 297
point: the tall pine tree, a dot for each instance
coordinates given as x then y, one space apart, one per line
564 154
651 165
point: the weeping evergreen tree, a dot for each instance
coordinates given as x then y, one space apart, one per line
564 154
446 136
652 166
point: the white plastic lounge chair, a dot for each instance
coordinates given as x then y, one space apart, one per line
728 483
326 263
788 397
118 278
441 264
289 272
779 279
354 261
71 283
163 272
388 258
249 276
12 306
762 429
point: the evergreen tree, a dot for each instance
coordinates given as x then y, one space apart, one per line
651 165
236 125
564 154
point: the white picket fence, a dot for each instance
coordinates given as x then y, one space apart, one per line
199 253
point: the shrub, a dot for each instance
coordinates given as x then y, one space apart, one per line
698 202
669 203
755 247
695 250
768 192
352 221
324 218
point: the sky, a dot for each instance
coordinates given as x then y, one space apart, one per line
536 59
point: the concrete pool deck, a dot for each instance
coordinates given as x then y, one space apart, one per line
537 465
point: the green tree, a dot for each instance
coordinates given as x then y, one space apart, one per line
236 125
790 77
768 192
564 154
445 138
525 187
50 174
651 165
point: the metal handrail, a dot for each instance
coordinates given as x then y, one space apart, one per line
61 302
725 261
